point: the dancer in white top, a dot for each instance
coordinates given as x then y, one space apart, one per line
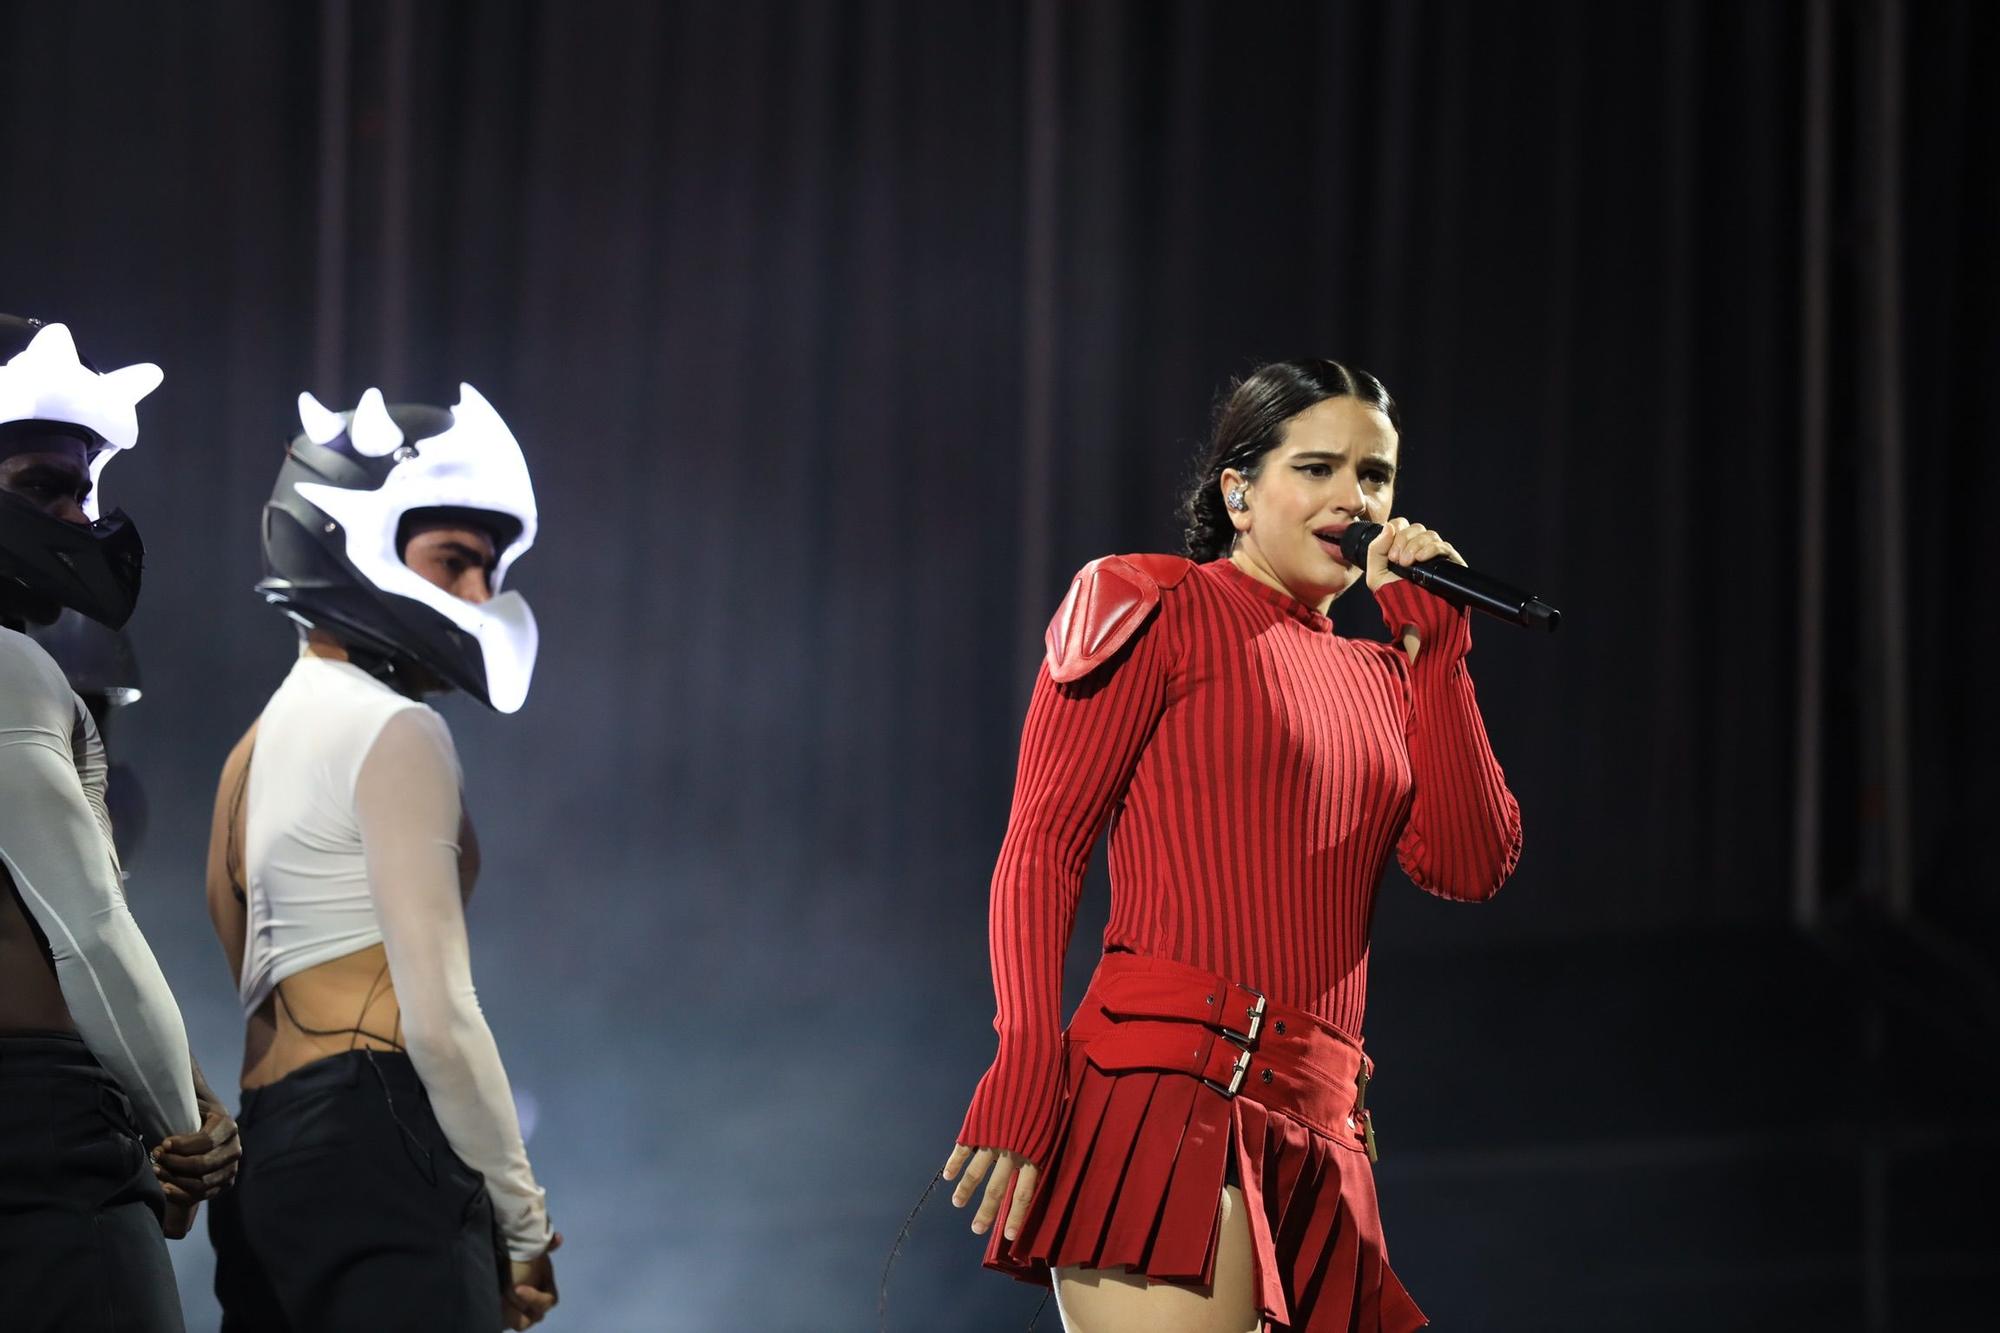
94 1062
398 1193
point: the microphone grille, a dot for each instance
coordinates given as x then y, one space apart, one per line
1354 542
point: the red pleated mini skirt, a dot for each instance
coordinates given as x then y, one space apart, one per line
1180 1081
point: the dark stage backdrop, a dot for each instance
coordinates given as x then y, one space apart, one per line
839 334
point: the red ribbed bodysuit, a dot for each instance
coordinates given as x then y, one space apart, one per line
1255 770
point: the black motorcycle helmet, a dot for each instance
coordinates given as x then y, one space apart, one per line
338 518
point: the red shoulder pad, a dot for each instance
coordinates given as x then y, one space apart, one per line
1166 570
1107 603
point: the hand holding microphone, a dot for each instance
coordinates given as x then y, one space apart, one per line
1439 570
1399 545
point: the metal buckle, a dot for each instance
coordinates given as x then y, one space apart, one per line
1236 1076
1361 1110
1249 1038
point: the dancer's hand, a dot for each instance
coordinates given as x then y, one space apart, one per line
1007 1167
197 1166
530 1292
178 1220
1403 543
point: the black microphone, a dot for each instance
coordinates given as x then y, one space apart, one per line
1456 584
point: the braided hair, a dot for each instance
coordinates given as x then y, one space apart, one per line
1250 422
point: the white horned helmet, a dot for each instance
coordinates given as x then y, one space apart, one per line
48 389
338 518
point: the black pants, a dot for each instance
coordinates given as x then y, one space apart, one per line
351 1211
80 1243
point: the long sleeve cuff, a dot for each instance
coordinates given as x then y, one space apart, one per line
1017 1106
1444 630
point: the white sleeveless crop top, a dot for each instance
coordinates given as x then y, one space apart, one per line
305 880
310 897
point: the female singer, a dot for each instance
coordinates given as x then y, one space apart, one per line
1192 1154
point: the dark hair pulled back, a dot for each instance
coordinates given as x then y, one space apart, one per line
1250 422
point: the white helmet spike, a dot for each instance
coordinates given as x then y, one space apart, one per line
473 413
374 432
125 386
322 424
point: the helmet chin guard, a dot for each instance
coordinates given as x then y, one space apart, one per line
45 562
331 551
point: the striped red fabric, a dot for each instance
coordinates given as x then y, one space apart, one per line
1255 770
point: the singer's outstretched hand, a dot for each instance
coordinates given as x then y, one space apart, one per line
1403 543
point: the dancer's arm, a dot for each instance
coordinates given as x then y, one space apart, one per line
55 842
406 798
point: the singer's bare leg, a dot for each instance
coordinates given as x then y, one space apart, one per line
1098 1300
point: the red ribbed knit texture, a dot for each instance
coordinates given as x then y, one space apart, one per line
1255 769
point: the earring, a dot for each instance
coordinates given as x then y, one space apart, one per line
1236 500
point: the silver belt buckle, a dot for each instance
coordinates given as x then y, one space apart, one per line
1241 1068
1249 1038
